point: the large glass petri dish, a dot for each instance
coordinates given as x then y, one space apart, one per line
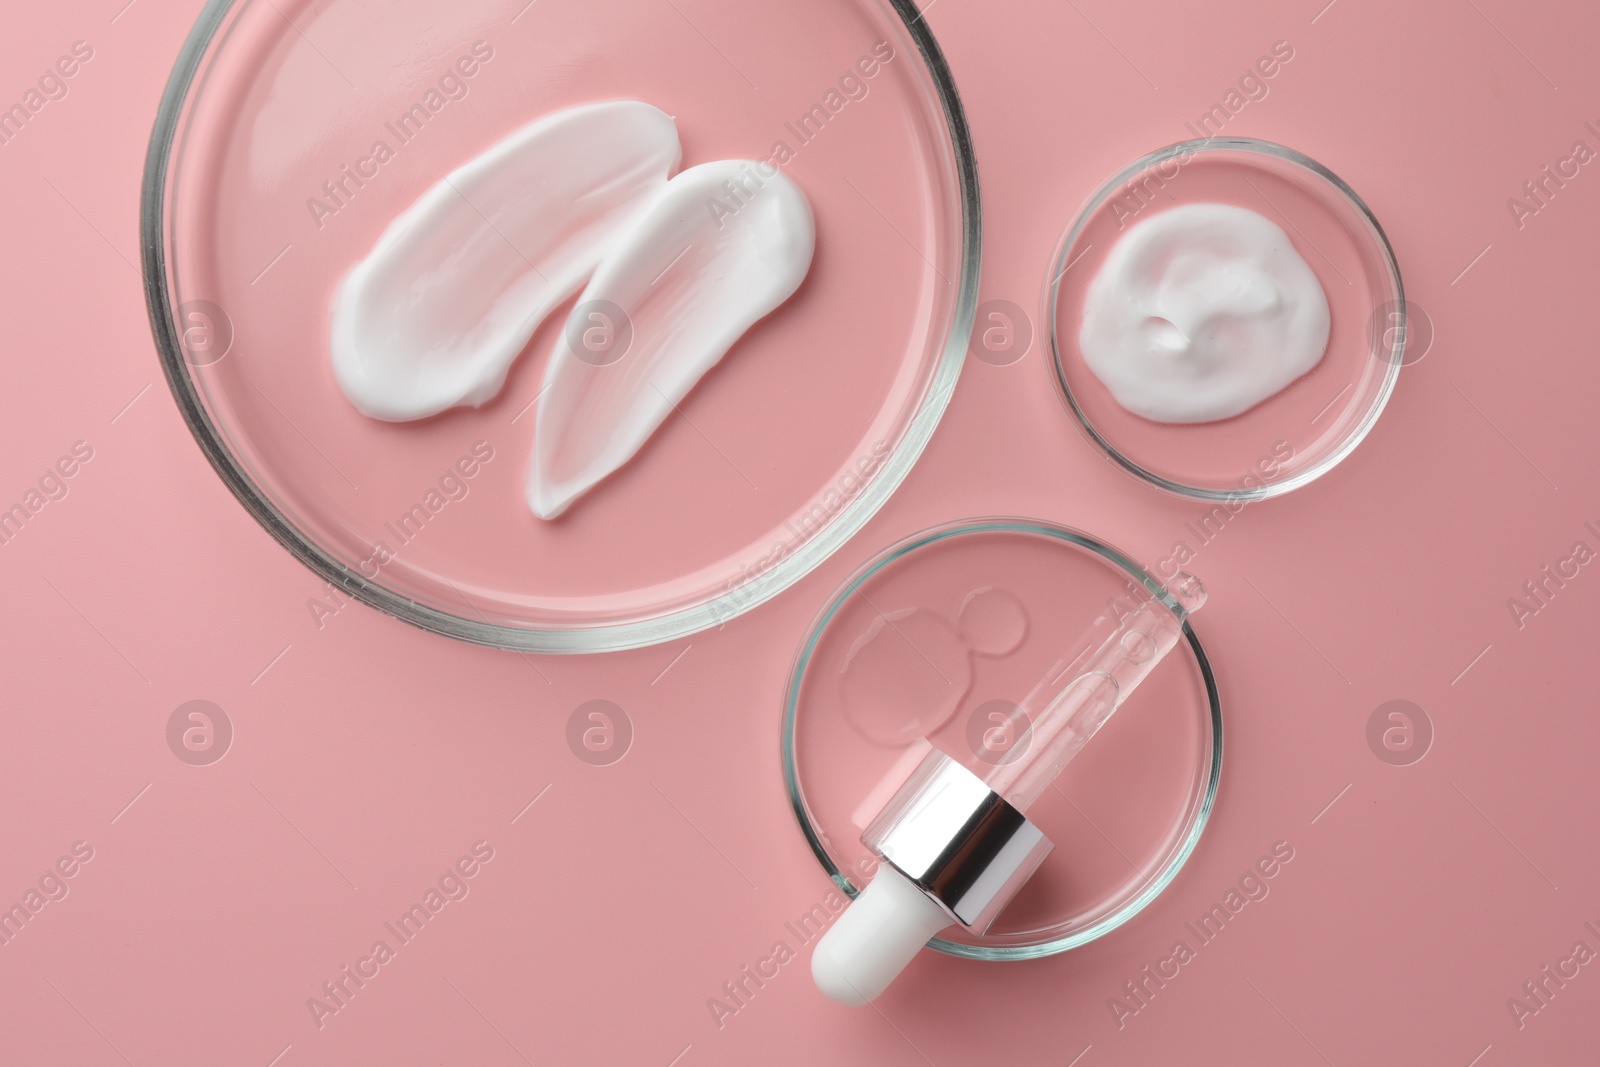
935 643
1296 436
265 182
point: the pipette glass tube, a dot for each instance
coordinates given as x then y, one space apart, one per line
1084 689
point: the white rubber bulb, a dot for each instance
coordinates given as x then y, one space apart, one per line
875 938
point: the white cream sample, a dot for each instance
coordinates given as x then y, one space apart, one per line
1200 313
438 311
721 247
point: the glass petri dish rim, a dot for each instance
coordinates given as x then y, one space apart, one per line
1180 855
1396 287
154 220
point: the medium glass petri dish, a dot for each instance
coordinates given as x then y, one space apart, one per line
291 133
1302 432
930 644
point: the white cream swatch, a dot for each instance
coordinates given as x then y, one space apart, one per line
1202 312
722 246
436 314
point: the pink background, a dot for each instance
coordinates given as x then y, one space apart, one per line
368 756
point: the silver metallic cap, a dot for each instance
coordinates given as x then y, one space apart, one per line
957 840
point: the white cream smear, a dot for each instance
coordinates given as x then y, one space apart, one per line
436 314
1202 312
720 247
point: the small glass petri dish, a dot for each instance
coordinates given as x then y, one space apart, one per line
1302 432
930 644
291 133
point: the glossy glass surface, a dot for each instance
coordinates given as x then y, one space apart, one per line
934 643
1300 433
292 133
